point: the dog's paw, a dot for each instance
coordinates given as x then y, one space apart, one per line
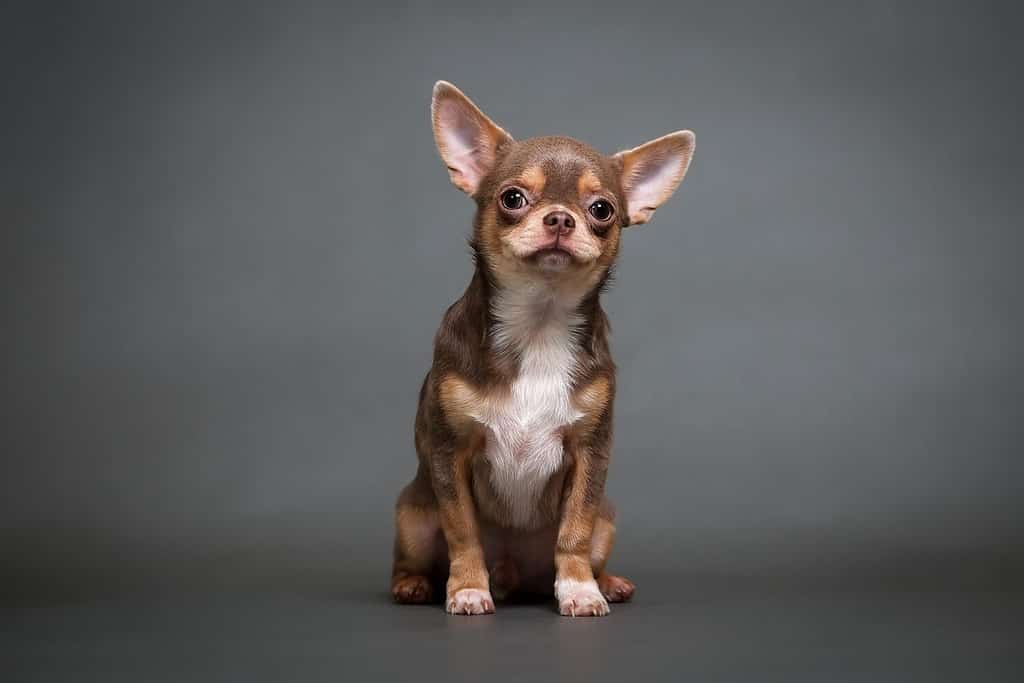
580 598
615 588
412 589
470 601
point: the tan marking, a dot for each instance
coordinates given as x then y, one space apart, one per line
462 404
588 183
573 566
533 180
592 400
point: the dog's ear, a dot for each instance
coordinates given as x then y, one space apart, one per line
467 140
653 171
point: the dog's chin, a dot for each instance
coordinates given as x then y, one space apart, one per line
552 260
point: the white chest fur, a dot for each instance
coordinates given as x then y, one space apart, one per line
525 429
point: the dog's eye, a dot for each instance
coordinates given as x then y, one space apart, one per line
602 210
513 199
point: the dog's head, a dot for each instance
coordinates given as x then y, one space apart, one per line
551 207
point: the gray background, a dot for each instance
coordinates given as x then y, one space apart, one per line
228 241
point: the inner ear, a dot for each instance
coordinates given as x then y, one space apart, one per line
467 140
653 171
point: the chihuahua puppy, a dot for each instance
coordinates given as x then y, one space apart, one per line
514 425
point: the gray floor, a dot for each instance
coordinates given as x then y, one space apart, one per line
674 630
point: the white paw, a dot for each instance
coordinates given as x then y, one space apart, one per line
580 598
470 601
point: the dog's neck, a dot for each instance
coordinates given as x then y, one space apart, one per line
497 324
535 312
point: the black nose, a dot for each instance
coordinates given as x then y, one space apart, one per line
559 222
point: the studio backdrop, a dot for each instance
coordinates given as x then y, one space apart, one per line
228 241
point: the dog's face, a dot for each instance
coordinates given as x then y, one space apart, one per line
551 207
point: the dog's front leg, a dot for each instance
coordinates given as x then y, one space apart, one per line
575 588
467 591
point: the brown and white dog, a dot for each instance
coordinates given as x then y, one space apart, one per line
514 426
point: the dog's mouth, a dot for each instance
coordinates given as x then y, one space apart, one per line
554 257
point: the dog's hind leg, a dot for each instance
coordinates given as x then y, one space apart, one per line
614 588
420 550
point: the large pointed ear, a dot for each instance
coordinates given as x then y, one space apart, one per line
467 140
653 171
